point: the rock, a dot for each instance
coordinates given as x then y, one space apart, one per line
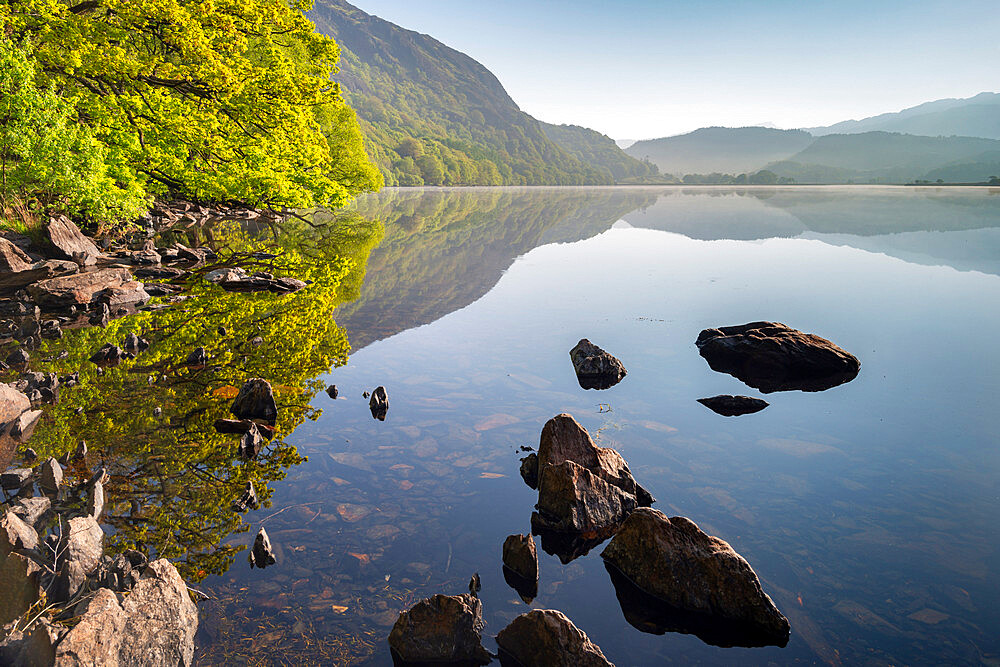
32 646
19 588
255 400
520 556
261 555
475 584
251 443
109 355
332 392
134 345
30 510
526 589
123 298
197 357
12 403
79 289
101 315
441 628
19 358
529 470
12 258
158 289
50 268
770 356
241 426
155 625
82 543
157 412
733 406
563 439
159 272
68 242
95 501
261 284
690 571
595 368
225 274
15 478
379 403
22 427
15 535
30 455
248 499
546 638
50 475
571 499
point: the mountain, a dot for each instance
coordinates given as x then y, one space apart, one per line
434 116
720 149
882 157
977 116
601 152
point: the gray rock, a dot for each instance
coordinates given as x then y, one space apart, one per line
12 403
262 554
83 543
255 400
225 274
15 478
441 628
30 510
595 368
690 571
15 535
50 475
571 499
95 501
22 428
546 638
69 243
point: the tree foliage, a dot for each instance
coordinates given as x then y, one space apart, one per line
223 100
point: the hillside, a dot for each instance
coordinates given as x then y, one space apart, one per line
720 149
977 116
432 115
881 157
601 152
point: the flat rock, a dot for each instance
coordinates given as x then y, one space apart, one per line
258 284
770 356
50 268
255 400
595 368
78 289
12 258
441 629
68 242
689 571
733 406
546 638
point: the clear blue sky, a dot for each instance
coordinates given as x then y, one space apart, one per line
638 69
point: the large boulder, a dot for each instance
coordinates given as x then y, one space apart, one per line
68 242
15 535
12 258
595 368
733 406
12 404
571 499
546 638
441 628
696 576
50 268
19 586
255 400
770 356
78 289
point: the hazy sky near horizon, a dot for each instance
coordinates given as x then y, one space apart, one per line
637 69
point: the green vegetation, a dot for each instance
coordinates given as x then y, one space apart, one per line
173 477
602 152
108 103
762 177
434 116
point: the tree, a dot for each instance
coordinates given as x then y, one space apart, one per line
212 101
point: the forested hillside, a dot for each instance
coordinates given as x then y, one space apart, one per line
434 116
600 151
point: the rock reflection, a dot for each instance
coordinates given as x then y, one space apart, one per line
570 546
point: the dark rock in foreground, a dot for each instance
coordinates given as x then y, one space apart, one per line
546 638
440 629
571 499
733 406
520 556
770 356
255 401
529 470
595 368
261 555
674 561
379 403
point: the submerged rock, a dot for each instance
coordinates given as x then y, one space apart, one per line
379 403
733 406
546 638
255 400
261 555
770 356
595 368
695 573
440 629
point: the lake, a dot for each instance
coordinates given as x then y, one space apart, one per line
868 511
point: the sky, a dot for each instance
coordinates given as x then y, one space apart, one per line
638 69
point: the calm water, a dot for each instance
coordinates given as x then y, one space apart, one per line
868 511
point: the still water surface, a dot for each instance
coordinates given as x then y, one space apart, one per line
868 511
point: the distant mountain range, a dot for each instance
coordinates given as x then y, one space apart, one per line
977 116
434 116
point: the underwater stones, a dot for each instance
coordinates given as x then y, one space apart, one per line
675 562
770 356
546 638
255 400
595 368
733 406
262 554
441 628
379 403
